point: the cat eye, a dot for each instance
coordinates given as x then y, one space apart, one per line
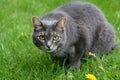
42 37
55 38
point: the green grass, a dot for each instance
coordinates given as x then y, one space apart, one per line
21 60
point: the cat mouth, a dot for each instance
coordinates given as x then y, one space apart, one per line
51 50
48 49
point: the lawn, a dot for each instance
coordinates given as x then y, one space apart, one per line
21 60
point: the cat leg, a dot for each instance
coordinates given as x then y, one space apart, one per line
75 63
73 58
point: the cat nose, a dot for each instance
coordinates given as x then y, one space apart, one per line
48 46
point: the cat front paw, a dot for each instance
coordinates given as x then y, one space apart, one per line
75 64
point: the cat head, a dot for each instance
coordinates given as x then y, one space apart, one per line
49 34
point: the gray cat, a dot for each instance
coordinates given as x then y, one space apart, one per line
72 31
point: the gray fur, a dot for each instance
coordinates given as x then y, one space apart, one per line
86 30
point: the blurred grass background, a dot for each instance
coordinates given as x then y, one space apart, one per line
21 60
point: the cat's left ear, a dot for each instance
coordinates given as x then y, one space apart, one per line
61 23
36 23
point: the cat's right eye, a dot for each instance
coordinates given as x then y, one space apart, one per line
55 38
42 37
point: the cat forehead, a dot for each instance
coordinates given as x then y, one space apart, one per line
49 33
49 22
52 32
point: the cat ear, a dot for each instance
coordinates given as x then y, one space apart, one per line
61 23
36 23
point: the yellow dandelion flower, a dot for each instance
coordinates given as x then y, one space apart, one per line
91 77
92 54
